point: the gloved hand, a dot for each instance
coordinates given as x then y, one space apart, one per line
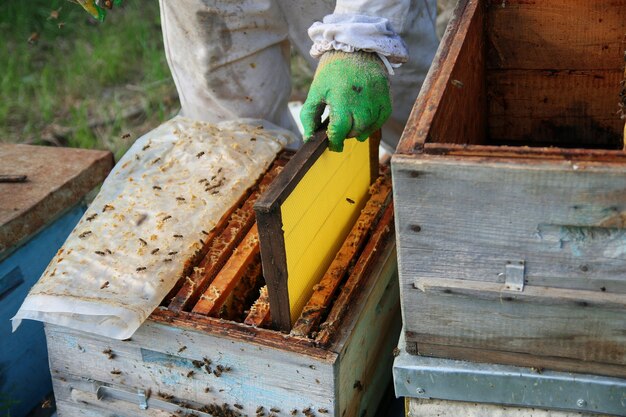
356 88
97 8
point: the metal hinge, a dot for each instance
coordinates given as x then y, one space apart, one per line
514 273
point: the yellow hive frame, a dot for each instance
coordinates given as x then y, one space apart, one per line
305 216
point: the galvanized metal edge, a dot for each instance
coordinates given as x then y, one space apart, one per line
445 379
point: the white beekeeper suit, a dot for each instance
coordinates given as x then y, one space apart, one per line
230 59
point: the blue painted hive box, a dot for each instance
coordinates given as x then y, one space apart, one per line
41 200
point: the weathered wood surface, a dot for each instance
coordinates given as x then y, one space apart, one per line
563 219
57 179
568 108
229 276
416 407
168 360
324 292
556 35
466 20
537 362
464 96
366 354
221 241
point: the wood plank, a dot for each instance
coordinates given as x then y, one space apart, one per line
229 276
26 207
419 124
366 359
259 315
221 241
538 362
532 155
534 295
523 223
324 292
252 377
557 34
565 108
461 114
329 329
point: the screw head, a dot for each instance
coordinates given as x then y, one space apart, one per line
420 391
581 403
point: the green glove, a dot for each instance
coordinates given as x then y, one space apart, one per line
356 88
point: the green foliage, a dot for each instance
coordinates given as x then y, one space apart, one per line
61 67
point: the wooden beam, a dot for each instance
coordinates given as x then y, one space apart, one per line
324 292
260 312
360 271
229 276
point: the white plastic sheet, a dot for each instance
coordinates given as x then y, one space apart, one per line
130 247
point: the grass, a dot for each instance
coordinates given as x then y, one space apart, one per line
75 78
71 81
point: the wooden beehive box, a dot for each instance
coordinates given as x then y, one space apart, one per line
209 350
509 175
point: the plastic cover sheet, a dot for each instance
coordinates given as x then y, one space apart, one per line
149 219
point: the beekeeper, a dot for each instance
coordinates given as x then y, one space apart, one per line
230 59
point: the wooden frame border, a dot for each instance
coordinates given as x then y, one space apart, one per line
270 225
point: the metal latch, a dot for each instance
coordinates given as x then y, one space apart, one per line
103 392
514 272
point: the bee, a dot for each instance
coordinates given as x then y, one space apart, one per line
155 161
204 232
154 251
275 410
116 371
99 252
145 147
358 385
104 285
84 234
259 409
190 374
217 373
143 242
349 200
182 349
167 217
239 406
199 154
156 187
109 353
126 136
220 368
141 268
294 412
165 395
178 236
108 251
207 389
93 216
107 207
167 260
197 364
180 198
323 410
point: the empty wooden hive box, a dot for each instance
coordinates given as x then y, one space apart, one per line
211 348
510 189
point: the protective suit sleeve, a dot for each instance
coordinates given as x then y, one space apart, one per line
363 25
